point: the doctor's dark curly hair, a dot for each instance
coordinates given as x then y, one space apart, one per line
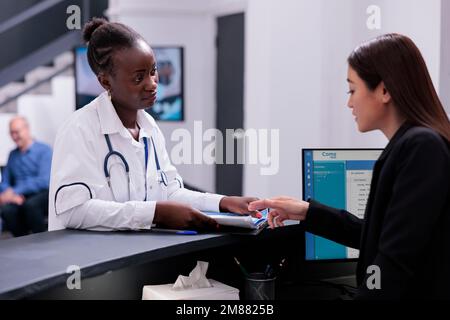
104 38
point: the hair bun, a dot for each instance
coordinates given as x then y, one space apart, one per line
91 26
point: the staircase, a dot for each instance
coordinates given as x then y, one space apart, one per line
35 82
37 64
46 107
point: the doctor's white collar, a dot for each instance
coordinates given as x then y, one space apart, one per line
110 121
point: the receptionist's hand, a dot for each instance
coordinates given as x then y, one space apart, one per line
282 208
175 215
238 205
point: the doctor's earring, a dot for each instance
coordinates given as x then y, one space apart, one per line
109 94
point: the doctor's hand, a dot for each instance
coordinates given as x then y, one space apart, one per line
238 205
175 215
282 208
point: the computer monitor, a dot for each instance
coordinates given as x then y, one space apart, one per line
169 104
338 178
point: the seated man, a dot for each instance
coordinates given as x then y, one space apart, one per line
25 180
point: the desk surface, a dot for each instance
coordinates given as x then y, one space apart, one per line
34 263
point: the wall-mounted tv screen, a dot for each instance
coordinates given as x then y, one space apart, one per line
169 104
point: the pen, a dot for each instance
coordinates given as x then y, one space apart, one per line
183 232
271 272
241 267
268 271
281 265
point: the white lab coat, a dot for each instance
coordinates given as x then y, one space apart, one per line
80 197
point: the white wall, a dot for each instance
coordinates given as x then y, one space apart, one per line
445 55
190 24
301 88
44 112
281 86
6 144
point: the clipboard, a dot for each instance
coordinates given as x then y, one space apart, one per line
242 231
233 223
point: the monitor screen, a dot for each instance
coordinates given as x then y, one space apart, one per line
338 178
169 104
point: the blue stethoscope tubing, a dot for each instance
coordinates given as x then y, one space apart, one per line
162 175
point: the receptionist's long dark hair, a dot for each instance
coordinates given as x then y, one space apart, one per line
396 60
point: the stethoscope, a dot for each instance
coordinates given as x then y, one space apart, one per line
162 177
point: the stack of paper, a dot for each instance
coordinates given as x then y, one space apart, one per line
230 219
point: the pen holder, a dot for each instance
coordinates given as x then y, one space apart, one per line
259 287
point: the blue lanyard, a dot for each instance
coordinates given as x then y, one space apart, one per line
161 173
146 164
158 168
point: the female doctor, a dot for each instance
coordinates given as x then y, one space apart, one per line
110 168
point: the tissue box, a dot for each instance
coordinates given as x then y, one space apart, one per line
218 291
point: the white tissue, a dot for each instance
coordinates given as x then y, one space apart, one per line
196 279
